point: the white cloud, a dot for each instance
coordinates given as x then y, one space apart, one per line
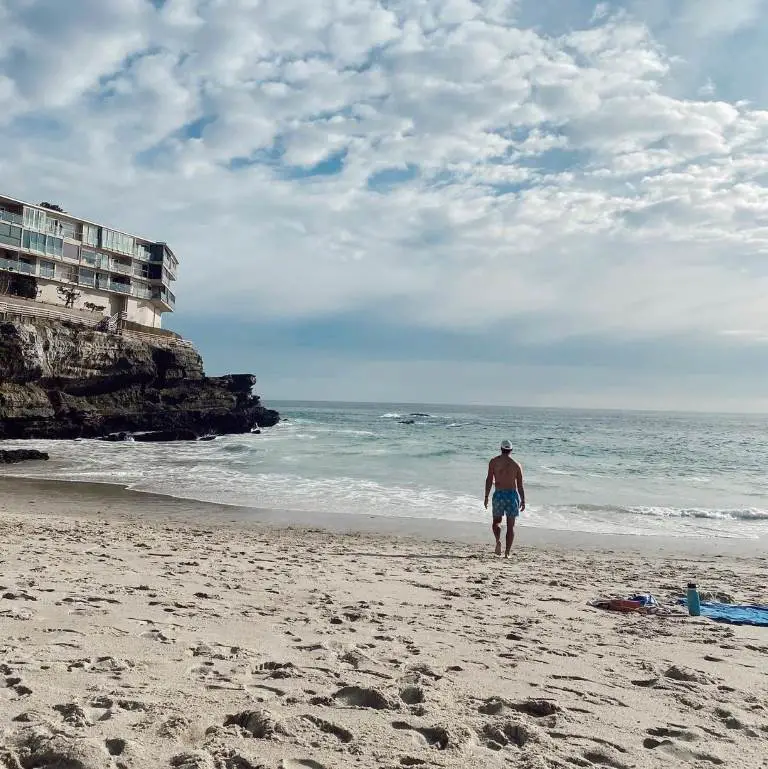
555 179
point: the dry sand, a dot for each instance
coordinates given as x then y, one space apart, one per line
134 638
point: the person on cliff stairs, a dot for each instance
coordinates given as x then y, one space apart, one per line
509 495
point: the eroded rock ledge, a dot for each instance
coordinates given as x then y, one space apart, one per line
60 380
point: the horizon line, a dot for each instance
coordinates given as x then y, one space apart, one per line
603 409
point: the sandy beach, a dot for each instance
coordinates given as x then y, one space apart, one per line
147 632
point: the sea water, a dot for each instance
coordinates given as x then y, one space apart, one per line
639 473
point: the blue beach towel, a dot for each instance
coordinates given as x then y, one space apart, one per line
734 614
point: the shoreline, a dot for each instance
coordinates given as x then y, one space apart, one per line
107 499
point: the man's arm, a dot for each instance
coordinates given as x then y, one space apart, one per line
520 487
488 483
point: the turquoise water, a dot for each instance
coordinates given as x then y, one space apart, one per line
609 472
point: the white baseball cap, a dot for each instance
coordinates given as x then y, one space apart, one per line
506 445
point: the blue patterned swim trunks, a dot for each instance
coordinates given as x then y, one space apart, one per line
506 502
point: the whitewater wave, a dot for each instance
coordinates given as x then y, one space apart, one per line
749 514
661 512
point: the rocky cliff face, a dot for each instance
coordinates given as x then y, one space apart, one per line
64 381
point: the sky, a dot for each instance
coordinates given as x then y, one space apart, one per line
523 202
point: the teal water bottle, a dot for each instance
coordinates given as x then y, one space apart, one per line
694 602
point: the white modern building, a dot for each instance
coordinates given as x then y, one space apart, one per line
111 271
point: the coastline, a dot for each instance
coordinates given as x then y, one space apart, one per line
85 498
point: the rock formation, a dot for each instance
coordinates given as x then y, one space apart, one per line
62 380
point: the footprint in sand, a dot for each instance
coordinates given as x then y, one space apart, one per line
435 736
499 735
412 695
196 760
673 731
328 727
115 746
361 697
72 714
260 724
680 752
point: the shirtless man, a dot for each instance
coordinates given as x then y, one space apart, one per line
509 496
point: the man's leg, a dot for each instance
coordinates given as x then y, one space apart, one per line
510 534
497 533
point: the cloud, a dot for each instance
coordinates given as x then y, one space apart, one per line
453 165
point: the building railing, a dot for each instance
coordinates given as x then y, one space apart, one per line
11 217
34 310
17 266
141 293
87 263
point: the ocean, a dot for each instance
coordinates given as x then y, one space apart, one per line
650 474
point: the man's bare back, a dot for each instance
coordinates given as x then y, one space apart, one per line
506 472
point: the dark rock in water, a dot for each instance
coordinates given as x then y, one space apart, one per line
407 421
419 414
21 455
61 380
165 436
209 437
115 437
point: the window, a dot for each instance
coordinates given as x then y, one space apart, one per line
71 251
43 244
116 241
87 277
47 269
90 235
53 246
34 241
34 219
7 215
141 252
60 227
9 234
93 258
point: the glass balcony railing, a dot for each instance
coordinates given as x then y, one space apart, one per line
163 295
11 217
15 266
141 292
123 288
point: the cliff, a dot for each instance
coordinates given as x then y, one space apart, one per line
61 380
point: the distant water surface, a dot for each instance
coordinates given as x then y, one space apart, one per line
606 472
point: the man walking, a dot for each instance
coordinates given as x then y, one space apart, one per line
509 496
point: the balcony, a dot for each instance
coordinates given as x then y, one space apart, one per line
14 265
123 288
11 217
163 295
121 267
140 292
